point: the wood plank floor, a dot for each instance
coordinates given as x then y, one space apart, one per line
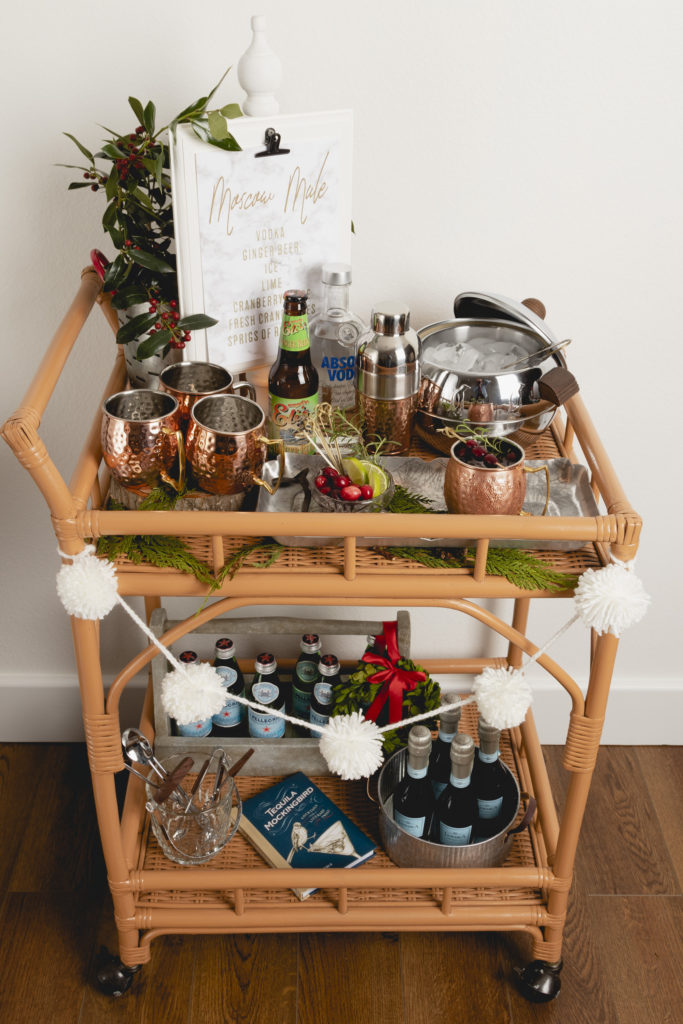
623 945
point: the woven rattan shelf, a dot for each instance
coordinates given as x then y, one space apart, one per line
236 892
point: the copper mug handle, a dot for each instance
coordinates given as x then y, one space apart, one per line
178 485
540 469
246 386
271 488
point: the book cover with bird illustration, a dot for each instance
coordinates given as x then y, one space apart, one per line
293 824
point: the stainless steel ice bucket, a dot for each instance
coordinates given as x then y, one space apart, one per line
408 852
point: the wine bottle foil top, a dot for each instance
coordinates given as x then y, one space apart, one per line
489 736
225 647
462 755
336 273
329 665
419 746
451 716
266 663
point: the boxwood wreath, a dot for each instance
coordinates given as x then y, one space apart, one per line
359 691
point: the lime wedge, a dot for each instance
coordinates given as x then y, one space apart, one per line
377 478
356 470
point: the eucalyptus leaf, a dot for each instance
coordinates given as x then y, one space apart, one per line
112 183
231 111
196 322
230 144
217 86
86 152
218 126
151 345
150 262
134 328
78 184
112 151
136 107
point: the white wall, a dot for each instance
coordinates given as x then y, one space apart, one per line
524 148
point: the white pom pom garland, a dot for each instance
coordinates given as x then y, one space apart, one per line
503 696
611 599
352 746
87 588
192 693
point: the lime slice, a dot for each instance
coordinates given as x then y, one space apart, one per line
356 470
377 478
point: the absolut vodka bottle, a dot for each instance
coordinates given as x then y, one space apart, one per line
334 333
414 802
440 759
456 807
267 689
231 720
322 700
489 782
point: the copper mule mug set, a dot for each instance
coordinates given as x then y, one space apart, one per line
195 418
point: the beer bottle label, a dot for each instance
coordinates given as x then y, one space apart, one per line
450 835
285 420
294 334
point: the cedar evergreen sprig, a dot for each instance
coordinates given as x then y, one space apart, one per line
358 692
521 568
133 170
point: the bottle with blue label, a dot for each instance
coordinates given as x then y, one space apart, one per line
322 700
202 726
231 720
456 808
306 674
414 803
489 782
268 690
334 333
440 759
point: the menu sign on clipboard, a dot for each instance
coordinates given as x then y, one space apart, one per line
250 227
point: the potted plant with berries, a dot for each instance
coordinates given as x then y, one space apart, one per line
132 171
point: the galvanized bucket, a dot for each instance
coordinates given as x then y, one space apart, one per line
408 852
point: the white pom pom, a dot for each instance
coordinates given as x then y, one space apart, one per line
193 693
611 599
87 588
352 746
503 696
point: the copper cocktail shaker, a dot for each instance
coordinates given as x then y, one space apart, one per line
388 378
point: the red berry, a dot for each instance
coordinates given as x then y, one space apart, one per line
341 481
320 482
478 452
173 303
325 489
366 492
330 471
350 493
471 443
94 188
139 130
490 459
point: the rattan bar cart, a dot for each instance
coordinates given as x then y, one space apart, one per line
236 892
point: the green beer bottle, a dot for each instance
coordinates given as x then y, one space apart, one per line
293 379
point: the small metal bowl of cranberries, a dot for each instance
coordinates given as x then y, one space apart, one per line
336 492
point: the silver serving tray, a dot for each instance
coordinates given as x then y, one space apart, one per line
570 495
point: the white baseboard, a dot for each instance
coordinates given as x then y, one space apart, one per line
47 709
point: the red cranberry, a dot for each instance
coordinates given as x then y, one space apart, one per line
490 459
330 471
341 482
350 492
366 492
320 482
325 490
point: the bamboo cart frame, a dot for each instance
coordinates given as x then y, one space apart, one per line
235 892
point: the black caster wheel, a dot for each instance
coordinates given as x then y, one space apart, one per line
539 981
113 977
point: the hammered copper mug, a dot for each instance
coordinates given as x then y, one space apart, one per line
476 489
141 439
190 381
226 446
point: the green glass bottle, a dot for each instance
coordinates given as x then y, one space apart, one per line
293 379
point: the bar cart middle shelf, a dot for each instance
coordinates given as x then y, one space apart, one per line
236 892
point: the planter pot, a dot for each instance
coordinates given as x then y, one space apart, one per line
144 373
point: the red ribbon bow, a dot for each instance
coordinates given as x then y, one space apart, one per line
395 680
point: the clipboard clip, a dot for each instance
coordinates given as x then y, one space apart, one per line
272 143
